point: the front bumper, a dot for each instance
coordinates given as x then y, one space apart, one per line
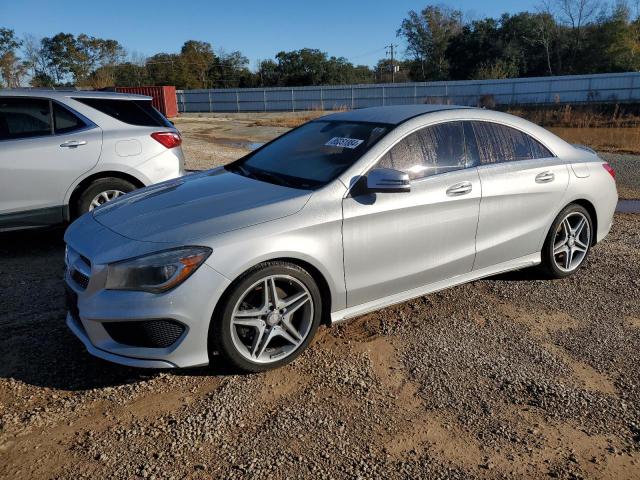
191 304
79 332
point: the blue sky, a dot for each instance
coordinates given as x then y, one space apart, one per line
356 29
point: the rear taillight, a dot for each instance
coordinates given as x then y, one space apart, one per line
168 139
609 169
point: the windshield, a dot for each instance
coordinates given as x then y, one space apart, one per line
312 155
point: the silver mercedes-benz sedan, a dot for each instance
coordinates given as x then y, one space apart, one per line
343 215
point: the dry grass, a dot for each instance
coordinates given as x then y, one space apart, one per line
581 116
608 128
605 139
294 119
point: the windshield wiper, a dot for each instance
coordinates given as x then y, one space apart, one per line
243 171
266 176
271 177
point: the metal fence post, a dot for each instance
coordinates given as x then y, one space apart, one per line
264 98
321 99
352 103
383 99
415 93
237 102
210 106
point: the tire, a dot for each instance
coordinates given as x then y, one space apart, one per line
98 187
253 336
571 249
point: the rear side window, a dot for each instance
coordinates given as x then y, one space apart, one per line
66 121
24 117
133 112
498 143
429 151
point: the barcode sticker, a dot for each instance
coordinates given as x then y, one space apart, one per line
343 142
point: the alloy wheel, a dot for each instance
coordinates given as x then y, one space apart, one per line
272 318
104 197
571 241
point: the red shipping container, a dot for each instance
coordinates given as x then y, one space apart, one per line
164 98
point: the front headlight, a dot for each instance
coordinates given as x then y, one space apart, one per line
157 272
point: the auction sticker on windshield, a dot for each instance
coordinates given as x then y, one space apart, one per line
343 142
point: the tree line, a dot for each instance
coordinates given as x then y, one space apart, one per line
563 37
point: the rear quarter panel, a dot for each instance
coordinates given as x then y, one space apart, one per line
598 188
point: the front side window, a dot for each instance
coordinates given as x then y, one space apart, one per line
429 151
498 143
65 121
24 117
133 112
311 155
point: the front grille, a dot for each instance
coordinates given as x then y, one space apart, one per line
146 333
80 278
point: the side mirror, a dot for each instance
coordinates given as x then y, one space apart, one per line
388 180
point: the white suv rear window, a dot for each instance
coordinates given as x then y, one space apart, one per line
133 112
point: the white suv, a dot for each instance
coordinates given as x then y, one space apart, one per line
62 153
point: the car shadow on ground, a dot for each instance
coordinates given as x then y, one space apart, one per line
36 346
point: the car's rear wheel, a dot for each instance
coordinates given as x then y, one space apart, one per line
102 191
568 242
268 318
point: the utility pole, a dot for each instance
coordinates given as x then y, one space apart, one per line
389 50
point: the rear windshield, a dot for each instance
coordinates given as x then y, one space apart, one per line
311 155
133 112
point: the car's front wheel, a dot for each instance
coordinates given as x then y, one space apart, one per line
268 318
568 242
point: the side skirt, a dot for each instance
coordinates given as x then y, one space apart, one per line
41 217
357 310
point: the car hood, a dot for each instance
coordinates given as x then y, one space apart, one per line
198 206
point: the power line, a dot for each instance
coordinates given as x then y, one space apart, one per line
367 53
390 49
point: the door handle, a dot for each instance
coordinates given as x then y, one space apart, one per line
73 143
458 189
545 177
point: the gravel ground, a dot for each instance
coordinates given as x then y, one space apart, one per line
627 169
510 377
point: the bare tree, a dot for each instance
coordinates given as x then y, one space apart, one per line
546 31
33 55
577 14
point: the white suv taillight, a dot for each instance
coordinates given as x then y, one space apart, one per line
167 139
609 169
